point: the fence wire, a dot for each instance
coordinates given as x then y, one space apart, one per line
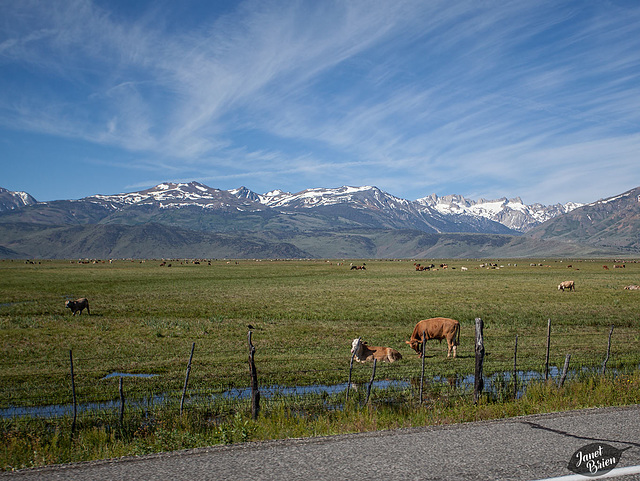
45 391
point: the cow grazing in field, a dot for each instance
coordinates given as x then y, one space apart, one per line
567 285
78 306
633 288
436 328
605 267
364 353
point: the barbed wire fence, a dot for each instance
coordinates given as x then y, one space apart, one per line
92 396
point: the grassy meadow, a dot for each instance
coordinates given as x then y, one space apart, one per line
145 317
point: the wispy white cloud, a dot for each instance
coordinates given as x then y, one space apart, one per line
489 97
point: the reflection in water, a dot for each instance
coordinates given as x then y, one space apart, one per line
59 410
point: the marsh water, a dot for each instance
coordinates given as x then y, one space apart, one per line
459 383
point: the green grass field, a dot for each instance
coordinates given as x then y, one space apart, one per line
144 319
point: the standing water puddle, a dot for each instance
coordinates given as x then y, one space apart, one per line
126 374
273 391
492 384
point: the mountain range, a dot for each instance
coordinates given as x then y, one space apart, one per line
192 220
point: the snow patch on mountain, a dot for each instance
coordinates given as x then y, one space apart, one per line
318 197
612 199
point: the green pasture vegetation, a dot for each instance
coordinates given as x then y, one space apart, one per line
145 317
30 442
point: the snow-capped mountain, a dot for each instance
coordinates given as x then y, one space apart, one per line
365 197
359 196
10 200
177 195
513 213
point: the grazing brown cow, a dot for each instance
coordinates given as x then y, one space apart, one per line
78 305
364 353
567 285
436 328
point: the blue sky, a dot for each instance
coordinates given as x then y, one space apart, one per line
479 98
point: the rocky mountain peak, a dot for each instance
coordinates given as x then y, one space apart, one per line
10 200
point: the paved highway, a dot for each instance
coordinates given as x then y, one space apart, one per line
523 448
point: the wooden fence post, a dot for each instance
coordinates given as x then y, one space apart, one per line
606 359
186 379
424 342
373 375
353 354
565 369
121 404
546 363
255 392
479 382
515 369
73 392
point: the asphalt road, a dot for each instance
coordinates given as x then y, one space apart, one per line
523 448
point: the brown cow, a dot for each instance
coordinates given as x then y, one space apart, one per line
567 285
364 353
436 328
78 305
